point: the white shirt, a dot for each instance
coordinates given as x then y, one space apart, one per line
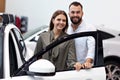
85 46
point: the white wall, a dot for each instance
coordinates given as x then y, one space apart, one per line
39 12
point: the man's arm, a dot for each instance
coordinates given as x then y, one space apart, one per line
91 53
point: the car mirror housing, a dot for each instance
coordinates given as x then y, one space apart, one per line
42 67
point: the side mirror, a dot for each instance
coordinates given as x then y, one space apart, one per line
42 67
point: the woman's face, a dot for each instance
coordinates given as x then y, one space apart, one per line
59 22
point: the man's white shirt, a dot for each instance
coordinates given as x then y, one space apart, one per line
85 46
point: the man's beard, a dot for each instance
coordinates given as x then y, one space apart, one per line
76 22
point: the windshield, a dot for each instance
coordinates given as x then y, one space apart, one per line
21 44
33 31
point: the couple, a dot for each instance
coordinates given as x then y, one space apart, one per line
78 53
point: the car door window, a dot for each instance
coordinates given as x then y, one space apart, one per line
98 61
17 50
20 43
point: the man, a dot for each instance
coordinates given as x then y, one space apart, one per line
85 46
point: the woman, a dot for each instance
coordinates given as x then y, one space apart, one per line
62 56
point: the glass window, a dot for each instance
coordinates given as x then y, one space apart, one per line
21 44
17 50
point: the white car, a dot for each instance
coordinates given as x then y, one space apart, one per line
16 61
111 48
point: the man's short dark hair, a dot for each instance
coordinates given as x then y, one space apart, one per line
75 3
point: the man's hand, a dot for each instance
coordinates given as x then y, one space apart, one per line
88 64
77 66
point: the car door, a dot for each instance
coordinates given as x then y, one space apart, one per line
97 72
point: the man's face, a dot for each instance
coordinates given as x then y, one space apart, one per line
75 14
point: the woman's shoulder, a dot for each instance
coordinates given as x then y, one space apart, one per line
44 33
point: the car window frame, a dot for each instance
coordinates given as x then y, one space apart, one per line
106 35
